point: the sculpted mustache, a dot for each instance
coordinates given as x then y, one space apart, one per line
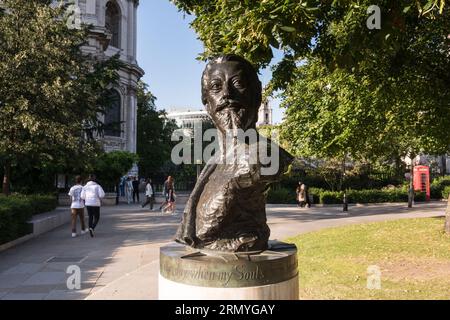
228 103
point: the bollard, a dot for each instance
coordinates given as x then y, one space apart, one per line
345 204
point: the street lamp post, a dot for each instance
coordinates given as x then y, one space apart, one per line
198 163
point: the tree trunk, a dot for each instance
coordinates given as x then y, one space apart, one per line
7 178
399 169
411 186
443 165
447 217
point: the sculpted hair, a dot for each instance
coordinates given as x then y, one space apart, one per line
250 71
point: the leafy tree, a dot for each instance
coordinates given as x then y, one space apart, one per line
375 99
253 28
273 132
154 133
348 90
109 167
50 93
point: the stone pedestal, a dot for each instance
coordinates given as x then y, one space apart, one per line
187 274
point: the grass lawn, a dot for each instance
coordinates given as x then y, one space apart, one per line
413 256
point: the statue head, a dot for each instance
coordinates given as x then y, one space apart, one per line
231 92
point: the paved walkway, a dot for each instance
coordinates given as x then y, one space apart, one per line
121 262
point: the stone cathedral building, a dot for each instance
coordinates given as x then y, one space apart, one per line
115 31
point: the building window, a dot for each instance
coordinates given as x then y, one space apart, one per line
267 118
112 23
112 115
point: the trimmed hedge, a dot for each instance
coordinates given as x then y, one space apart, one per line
281 196
438 186
321 196
16 210
315 194
331 197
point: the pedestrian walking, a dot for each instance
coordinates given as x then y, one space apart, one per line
135 189
301 195
123 180
169 192
92 194
77 207
129 190
149 194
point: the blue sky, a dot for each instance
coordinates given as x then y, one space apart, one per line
167 51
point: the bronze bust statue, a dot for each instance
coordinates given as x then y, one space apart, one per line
226 210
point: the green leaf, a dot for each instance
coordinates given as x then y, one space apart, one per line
287 29
277 9
430 4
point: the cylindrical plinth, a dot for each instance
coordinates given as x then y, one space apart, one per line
186 274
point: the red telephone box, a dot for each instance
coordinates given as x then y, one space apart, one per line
422 180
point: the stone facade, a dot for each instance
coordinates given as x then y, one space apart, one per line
186 118
264 114
438 164
115 32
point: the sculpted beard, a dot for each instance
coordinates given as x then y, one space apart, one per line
231 115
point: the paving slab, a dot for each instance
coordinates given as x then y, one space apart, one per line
11 281
46 278
25 296
24 268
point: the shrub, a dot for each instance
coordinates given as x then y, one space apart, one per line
435 191
287 196
331 197
17 210
43 203
281 196
420 196
383 195
445 192
315 193
367 196
437 187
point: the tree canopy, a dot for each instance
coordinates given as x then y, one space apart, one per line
154 133
347 89
50 92
110 167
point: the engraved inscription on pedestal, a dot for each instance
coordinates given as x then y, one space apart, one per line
206 269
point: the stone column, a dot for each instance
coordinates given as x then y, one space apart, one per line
91 7
132 122
130 30
135 6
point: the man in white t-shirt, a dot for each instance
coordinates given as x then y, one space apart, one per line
92 194
77 207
